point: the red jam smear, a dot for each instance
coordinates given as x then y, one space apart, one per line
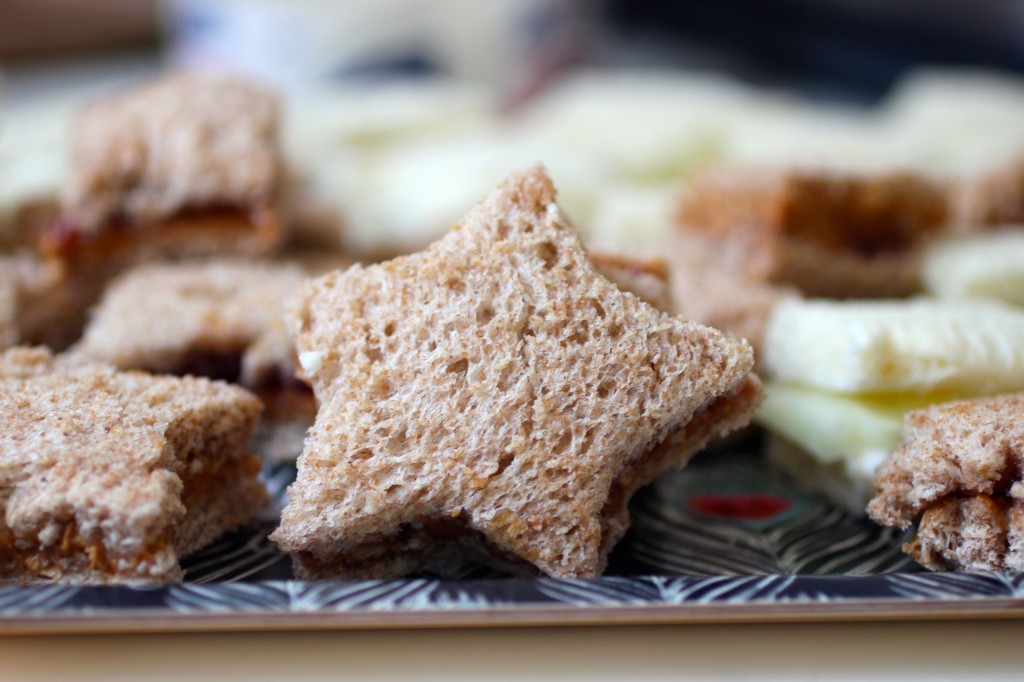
741 507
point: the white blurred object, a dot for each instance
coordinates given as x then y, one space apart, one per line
648 125
293 43
889 346
961 122
792 133
957 102
33 157
402 197
633 218
984 265
323 121
333 138
853 433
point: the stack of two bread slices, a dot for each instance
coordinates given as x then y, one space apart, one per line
494 394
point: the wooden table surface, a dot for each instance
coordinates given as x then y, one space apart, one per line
962 650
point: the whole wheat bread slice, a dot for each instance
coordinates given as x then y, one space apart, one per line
110 476
957 475
494 393
180 318
185 166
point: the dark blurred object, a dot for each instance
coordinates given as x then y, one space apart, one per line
851 48
34 29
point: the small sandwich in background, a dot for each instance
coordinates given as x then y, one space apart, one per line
747 239
188 165
191 318
843 374
222 319
956 478
494 395
113 477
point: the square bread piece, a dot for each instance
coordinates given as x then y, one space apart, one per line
196 318
187 165
837 235
110 477
494 394
749 238
956 477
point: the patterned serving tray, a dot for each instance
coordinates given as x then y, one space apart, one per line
727 539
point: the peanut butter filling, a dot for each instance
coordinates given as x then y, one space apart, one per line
75 554
120 240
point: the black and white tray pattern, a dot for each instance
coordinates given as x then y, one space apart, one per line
725 536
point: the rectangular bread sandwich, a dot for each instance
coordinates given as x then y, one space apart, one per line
186 165
195 318
749 238
831 234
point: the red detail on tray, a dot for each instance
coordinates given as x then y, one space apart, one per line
741 507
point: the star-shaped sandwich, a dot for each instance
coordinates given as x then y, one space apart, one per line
112 477
493 394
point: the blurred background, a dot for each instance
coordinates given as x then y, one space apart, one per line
400 114
842 48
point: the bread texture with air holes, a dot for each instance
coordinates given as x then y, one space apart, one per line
494 394
957 476
109 477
